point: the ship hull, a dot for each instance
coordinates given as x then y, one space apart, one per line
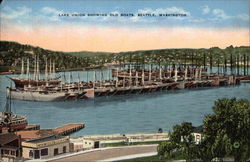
36 95
15 127
20 83
12 121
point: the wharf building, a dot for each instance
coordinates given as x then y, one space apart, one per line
10 147
47 147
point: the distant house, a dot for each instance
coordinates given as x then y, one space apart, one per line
82 144
45 147
29 52
197 133
10 146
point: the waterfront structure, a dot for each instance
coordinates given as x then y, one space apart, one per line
29 134
46 147
197 133
96 141
79 144
10 146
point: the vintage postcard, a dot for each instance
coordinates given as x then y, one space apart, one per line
127 80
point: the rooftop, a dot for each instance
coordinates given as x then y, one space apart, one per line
45 139
198 129
7 138
34 134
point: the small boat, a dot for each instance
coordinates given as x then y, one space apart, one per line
10 121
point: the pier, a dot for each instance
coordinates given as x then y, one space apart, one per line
32 127
68 129
34 131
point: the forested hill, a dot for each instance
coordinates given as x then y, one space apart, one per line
11 54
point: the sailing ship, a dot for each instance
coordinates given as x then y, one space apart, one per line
26 80
127 81
37 95
8 120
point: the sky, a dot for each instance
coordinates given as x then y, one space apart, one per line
73 25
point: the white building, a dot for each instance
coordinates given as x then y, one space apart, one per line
45 147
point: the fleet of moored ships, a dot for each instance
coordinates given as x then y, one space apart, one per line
131 80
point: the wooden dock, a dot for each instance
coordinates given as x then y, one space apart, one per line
32 127
68 129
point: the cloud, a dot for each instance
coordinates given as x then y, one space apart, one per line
19 12
49 10
52 13
196 20
205 10
170 10
244 17
219 13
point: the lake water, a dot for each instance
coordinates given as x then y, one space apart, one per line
126 113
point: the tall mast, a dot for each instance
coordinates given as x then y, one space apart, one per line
8 100
109 74
101 79
22 69
50 67
185 76
142 77
200 71
160 74
175 75
136 79
37 72
28 69
130 75
196 74
192 71
46 70
116 78
87 76
94 79
34 69
78 82
208 71
124 80
149 75
54 70
69 77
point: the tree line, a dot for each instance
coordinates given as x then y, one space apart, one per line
230 58
225 134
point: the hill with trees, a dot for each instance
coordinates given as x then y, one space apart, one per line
11 54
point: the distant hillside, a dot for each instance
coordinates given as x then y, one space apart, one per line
87 53
11 54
